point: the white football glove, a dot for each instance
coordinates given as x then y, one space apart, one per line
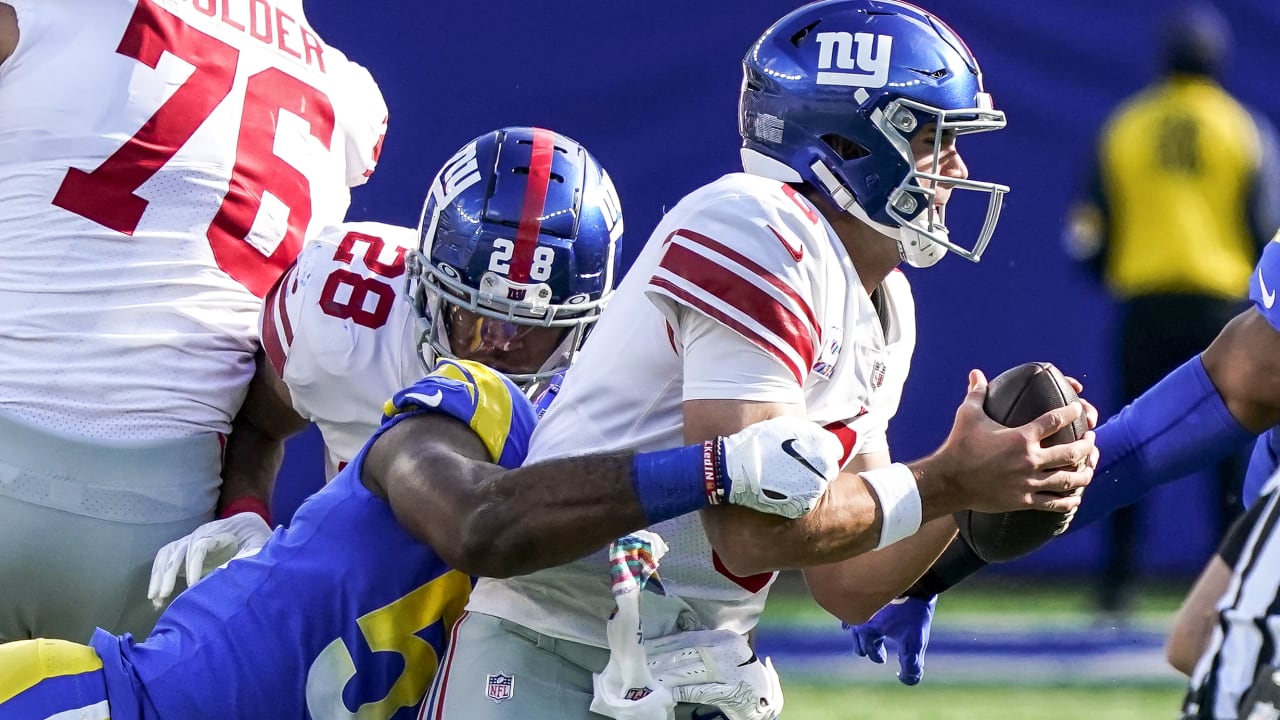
719 669
781 466
207 547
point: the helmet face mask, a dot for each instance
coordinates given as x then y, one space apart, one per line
868 75
518 236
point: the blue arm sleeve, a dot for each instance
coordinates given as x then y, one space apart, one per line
1177 427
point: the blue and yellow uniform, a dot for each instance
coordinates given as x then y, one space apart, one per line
1263 286
341 615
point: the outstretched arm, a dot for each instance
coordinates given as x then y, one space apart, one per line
1205 409
1210 406
486 520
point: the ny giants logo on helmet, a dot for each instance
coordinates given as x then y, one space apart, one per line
866 54
461 172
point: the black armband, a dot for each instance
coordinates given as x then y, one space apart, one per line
956 563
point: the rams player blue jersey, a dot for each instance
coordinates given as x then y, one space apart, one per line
341 615
1263 286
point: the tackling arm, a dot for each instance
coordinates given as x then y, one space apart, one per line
490 521
487 521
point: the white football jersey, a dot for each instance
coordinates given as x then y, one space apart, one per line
757 257
161 162
340 332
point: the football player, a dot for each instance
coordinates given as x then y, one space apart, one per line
347 612
516 254
771 293
147 205
1207 408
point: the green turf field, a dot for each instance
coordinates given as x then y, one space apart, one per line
817 701
1004 604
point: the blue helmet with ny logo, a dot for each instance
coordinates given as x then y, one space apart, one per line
520 226
834 93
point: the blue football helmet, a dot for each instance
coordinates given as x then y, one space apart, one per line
834 92
520 228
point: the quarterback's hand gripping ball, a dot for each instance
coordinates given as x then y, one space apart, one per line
1015 397
207 548
781 466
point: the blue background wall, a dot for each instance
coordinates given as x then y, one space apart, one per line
651 89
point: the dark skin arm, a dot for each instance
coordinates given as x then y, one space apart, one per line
8 31
255 447
488 521
1244 364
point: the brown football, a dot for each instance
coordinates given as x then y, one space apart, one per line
1016 397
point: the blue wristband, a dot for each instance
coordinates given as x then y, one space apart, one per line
1170 431
671 483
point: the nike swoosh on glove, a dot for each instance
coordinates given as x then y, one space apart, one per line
781 466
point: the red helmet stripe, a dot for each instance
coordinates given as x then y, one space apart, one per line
535 199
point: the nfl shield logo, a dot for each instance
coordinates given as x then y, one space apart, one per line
635 694
500 687
877 374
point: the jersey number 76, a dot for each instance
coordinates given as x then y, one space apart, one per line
106 194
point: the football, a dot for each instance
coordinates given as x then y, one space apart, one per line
1015 397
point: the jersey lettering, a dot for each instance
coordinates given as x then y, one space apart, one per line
358 287
107 194
270 26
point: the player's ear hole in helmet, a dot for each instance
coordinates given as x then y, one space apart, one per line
833 95
518 253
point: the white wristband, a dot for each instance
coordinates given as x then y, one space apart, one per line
899 498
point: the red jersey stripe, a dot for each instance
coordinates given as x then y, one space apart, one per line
444 671
741 294
754 267
535 199
697 303
750 583
275 319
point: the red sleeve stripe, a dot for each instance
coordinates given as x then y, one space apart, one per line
701 305
751 265
277 331
535 200
708 277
